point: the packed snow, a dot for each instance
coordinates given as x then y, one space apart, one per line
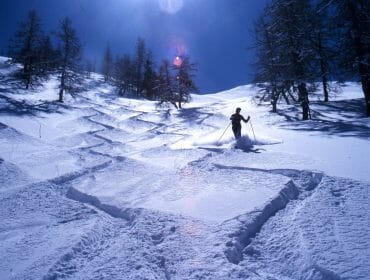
107 187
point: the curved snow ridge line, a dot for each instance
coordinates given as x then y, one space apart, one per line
74 175
106 126
251 223
109 141
128 214
248 225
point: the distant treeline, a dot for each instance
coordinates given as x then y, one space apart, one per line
171 82
303 43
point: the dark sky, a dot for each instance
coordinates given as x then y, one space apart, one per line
215 33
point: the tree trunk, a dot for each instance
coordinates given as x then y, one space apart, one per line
60 95
274 101
324 80
27 75
360 47
174 104
274 106
366 90
62 86
325 87
285 98
303 96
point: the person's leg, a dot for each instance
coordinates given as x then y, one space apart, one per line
237 131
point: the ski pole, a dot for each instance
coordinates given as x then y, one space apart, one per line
223 133
250 121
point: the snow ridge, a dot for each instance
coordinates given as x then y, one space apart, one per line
128 214
104 187
248 225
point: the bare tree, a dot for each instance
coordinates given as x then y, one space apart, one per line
107 65
139 61
285 55
184 84
70 56
90 67
352 19
27 48
324 46
124 74
268 75
149 78
165 85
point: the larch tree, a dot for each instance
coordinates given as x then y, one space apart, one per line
107 64
325 49
149 78
139 62
268 74
284 36
70 56
26 49
352 18
165 85
124 74
184 79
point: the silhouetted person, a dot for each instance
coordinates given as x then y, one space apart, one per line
236 125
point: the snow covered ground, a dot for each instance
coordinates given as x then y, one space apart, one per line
102 187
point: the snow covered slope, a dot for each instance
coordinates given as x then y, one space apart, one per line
102 187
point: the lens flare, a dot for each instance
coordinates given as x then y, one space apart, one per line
171 6
177 61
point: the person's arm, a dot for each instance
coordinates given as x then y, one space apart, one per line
246 120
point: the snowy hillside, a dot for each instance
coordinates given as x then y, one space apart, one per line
101 187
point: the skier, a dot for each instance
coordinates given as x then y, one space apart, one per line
235 121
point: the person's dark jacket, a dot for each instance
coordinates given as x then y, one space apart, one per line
237 118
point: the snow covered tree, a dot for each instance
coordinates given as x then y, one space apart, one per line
107 64
184 84
31 48
70 56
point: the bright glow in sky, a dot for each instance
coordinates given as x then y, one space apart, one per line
177 61
214 33
171 6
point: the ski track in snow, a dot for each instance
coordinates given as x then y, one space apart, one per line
68 218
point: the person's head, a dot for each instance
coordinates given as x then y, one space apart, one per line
238 110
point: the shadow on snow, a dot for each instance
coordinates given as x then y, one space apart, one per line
335 118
